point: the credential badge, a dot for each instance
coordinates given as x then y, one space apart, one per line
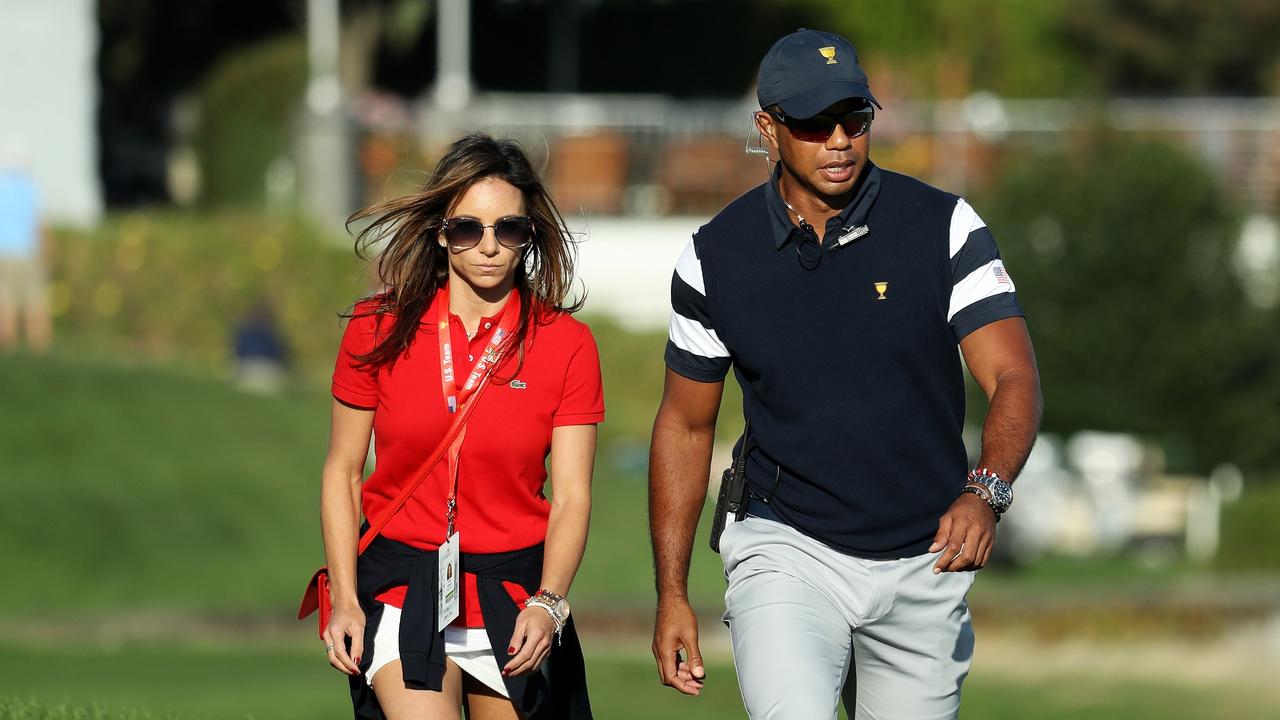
851 234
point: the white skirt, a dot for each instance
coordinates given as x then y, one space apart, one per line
468 648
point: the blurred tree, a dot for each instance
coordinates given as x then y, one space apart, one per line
1122 255
248 102
948 49
1045 48
1178 46
154 51
150 53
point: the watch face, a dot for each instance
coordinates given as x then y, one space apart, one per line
1001 493
559 605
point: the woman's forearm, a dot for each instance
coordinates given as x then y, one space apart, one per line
340 484
566 541
573 452
340 526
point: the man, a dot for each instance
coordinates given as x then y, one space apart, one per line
839 292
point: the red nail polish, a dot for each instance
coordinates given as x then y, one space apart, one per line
357 660
511 650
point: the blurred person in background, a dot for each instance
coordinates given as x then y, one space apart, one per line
839 293
262 355
23 292
477 268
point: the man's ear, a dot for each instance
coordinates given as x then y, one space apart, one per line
768 131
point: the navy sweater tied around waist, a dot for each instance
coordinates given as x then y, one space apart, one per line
558 689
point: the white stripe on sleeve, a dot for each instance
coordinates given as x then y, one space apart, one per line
964 220
692 336
987 281
689 268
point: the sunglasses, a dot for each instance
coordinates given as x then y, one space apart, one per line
818 128
464 233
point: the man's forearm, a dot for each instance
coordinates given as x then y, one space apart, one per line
1012 421
679 466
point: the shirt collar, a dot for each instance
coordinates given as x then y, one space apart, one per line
428 322
852 216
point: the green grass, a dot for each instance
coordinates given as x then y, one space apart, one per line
31 709
617 568
142 682
131 489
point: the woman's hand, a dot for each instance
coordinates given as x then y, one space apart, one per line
531 642
346 622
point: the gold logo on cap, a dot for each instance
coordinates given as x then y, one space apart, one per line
881 287
830 54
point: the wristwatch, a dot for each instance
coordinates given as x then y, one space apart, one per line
986 484
555 605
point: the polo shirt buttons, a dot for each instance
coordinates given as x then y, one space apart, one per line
471 358
488 325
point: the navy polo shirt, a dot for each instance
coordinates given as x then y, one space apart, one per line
847 356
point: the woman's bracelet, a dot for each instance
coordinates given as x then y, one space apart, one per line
535 601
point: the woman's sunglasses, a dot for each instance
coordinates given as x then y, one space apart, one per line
818 128
463 233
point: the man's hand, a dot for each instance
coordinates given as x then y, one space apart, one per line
677 630
966 534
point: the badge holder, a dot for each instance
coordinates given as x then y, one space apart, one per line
450 572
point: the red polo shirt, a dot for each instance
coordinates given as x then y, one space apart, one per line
502 466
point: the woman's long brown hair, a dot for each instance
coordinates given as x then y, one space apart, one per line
413 266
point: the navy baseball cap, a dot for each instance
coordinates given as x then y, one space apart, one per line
808 71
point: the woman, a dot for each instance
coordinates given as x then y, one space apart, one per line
477 267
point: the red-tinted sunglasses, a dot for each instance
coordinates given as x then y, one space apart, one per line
818 128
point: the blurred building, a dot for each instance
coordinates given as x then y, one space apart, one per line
49 91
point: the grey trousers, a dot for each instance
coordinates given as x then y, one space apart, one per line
805 618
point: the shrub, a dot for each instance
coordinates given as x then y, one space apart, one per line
247 106
174 285
1122 255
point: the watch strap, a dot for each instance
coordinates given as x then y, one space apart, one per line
991 487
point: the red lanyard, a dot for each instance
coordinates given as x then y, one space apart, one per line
454 396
